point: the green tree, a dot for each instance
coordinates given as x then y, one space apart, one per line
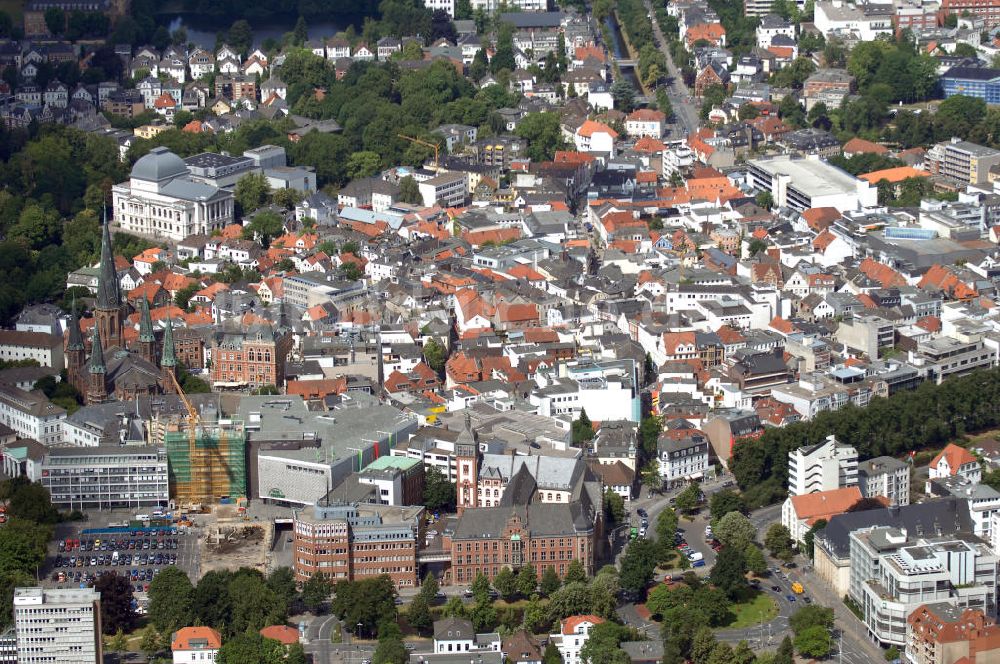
623 94
543 133
637 566
535 617
755 561
117 613
481 588
368 602
813 642
811 616
429 587
735 530
614 506
264 226
603 641
55 20
316 591
666 526
728 571
454 608
435 354
484 616
250 648
778 540
363 164
723 502
649 433
151 642
301 32
252 192
419 614
439 493
117 642
892 654
551 654
550 580
170 598
785 653
572 599
583 429
575 572
688 499
527 580
505 583
409 192
241 36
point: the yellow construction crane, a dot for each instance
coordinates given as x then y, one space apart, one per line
426 144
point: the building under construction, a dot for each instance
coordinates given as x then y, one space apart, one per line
209 465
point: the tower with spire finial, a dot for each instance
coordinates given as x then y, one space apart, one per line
76 352
97 387
109 314
467 461
168 361
147 338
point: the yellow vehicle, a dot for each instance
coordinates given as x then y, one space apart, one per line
797 588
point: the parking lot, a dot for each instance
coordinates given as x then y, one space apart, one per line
82 552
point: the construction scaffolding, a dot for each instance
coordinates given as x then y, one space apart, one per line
208 467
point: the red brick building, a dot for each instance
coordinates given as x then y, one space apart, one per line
251 358
488 539
353 542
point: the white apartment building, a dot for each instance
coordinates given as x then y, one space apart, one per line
58 626
893 572
606 390
161 200
44 348
867 21
31 416
573 634
447 5
887 477
822 467
446 190
682 458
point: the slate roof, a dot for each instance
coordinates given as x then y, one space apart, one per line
540 520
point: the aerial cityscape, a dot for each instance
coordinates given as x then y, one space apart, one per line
499 331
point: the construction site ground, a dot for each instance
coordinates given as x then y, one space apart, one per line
229 540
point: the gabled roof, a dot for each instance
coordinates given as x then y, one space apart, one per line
956 457
196 638
825 504
591 127
570 624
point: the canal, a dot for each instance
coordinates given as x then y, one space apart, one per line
617 46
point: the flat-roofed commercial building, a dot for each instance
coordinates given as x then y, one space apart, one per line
106 476
809 182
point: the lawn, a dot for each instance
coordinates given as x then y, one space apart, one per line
749 613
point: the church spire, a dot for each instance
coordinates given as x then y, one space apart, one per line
97 388
96 364
168 362
145 322
75 336
169 358
108 293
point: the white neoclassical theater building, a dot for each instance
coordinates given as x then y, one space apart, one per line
161 200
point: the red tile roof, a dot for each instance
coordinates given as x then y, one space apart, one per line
956 456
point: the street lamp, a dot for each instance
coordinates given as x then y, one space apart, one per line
359 630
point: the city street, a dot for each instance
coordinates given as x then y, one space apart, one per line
685 111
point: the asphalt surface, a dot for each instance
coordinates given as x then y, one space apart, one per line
681 97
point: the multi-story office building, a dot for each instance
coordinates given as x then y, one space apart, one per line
988 10
822 467
106 477
44 348
807 182
58 626
963 161
946 357
887 477
446 190
894 572
251 358
397 480
353 542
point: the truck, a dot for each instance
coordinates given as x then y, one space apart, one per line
797 588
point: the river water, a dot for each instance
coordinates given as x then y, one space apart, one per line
203 34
